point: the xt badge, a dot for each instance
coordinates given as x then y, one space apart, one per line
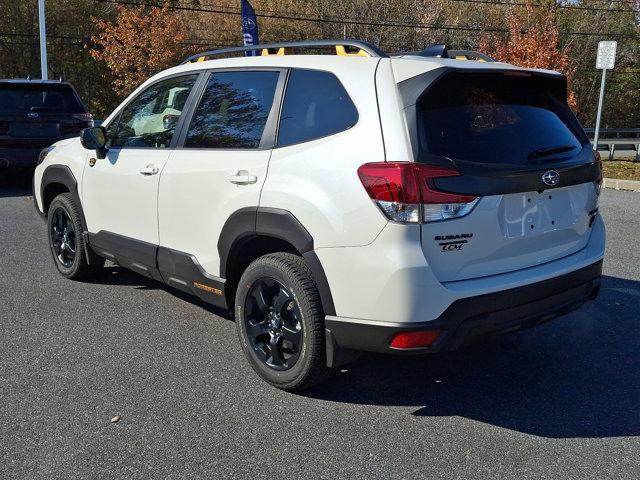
453 243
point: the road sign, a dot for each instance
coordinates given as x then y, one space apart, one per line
606 55
606 61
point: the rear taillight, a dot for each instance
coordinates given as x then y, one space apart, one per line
405 192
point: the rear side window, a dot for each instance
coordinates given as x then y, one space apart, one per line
22 99
315 105
496 118
233 111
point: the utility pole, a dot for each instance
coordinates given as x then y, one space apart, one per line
43 40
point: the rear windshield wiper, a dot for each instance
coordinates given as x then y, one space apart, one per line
543 152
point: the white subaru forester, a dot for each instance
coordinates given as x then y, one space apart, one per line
339 203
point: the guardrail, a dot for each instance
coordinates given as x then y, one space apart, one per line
617 139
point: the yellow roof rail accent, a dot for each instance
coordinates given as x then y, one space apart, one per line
281 51
470 55
465 57
201 59
342 52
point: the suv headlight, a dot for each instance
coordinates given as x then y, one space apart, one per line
43 154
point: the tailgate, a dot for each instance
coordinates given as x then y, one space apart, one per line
511 232
516 146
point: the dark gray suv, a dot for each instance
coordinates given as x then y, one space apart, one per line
35 114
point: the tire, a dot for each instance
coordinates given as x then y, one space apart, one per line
280 322
66 242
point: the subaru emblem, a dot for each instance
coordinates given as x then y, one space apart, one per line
32 114
551 178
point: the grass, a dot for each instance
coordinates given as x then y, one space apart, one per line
622 170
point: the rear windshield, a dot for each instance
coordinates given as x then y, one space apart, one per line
496 118
22 99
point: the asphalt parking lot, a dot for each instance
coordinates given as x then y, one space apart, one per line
560 401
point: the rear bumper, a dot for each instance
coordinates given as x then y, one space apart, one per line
470 319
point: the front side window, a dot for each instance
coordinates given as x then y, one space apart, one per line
150 120
315 105
233 111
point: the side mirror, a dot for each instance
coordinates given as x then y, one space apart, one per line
94 138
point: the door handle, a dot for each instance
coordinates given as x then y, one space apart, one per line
243 178
149 170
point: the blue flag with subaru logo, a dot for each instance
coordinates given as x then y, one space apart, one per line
249 27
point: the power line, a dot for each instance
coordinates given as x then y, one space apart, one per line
79 44
49 35
347 21
198 42
562 7
494 2
207 42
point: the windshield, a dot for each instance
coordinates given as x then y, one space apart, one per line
495 118
22 99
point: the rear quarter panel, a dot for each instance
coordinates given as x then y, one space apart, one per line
317 181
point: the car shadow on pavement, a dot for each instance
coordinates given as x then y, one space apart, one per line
578 376
117 275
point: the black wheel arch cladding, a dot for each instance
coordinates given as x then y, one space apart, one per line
279 224
61 174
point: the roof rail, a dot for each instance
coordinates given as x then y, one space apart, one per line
441 51
366 47
471 55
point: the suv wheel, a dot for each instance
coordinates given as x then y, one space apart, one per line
280 322
66 241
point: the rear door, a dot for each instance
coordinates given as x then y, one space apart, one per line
221 163
519 148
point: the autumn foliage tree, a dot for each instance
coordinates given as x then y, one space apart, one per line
141 42
533 41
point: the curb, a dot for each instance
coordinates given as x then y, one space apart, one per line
617 184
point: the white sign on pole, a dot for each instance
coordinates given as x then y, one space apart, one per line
606 55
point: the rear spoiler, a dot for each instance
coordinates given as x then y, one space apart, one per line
413 88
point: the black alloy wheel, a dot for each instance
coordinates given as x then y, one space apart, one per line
72 256
280 322
273 324
63 238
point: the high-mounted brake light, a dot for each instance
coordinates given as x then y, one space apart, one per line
516 73
405 192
